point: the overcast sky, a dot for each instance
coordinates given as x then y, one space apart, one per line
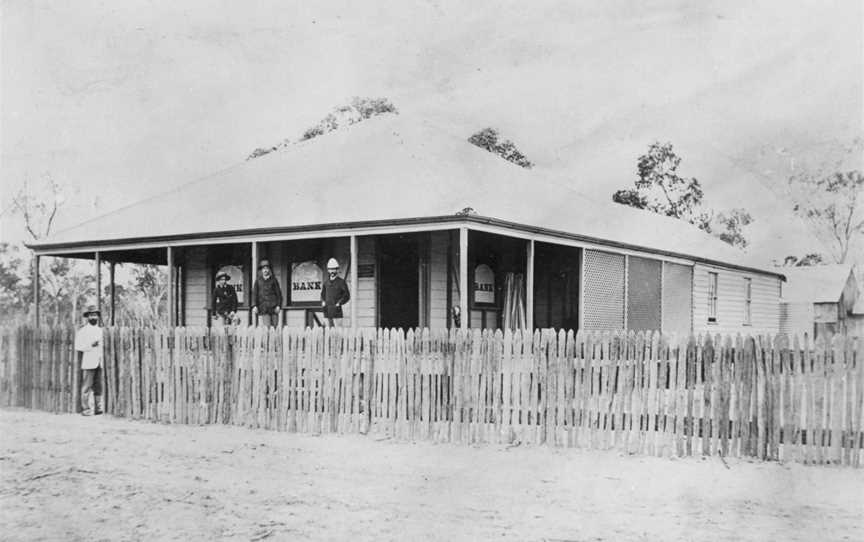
121 100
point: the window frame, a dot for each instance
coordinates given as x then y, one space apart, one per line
748 301
713 297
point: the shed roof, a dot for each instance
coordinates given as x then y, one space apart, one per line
390 168
816 284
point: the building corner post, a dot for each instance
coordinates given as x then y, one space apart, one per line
253 276
529 285
37 290
353 280
463 277
112 293
172 317
97 264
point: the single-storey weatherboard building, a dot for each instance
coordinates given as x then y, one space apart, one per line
430 231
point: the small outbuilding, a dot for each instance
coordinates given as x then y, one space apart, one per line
430 230
820 301
855 322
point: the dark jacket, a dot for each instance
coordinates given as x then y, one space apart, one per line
224 299
334 292
267 295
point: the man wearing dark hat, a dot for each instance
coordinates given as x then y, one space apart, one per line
266 295
224 299
88 343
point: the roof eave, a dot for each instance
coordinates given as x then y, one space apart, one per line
617 244
49 249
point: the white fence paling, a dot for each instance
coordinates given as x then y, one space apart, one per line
769 398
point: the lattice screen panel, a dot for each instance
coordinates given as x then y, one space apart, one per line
677 296
603 291
643 294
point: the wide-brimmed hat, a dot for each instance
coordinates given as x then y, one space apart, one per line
223 274
265 263
92 309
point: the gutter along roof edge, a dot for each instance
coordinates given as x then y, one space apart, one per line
47 248
616 244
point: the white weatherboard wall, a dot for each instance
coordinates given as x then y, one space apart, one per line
765 308
365 296
438 279
196 289
296 318
797 319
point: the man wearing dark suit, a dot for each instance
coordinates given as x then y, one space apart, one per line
267 295
334 294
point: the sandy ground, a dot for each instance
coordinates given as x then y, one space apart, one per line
66 477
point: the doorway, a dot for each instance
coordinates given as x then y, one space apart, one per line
398 281
556 286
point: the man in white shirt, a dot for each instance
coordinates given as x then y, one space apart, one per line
88 343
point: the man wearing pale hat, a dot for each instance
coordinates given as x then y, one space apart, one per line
266 295
88 343
334 294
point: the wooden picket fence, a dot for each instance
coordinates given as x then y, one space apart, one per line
642 393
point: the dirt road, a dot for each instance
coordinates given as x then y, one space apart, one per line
67 477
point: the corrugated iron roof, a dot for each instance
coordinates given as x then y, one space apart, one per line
391 168
858 307
816 284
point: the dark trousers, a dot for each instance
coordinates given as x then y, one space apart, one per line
91 381
268 319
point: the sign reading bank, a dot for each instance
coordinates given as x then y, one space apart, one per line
484 284
306 279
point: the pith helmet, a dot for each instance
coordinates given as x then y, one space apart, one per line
332 264
91 309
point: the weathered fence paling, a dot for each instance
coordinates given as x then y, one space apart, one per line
768 398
